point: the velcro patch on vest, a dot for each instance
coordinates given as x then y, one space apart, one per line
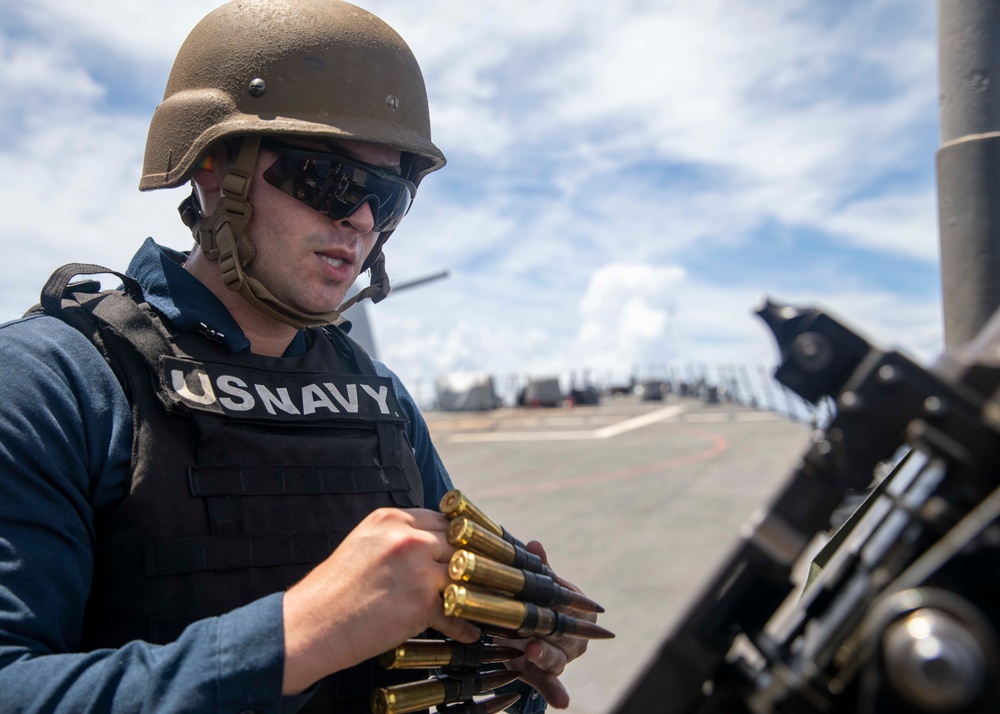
259 395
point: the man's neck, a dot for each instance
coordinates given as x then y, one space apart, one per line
267 337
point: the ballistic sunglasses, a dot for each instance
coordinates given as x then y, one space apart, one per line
337 186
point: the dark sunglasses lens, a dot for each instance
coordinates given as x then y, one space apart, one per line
338 187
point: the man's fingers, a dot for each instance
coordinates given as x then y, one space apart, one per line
456 628
538 549
443 550
548 685
569 648
545 656
427 520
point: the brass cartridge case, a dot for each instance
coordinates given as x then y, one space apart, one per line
455 503
466 566
464 533
417 654
414 696
524 617
428 654
459 601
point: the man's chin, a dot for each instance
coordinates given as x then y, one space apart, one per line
320 308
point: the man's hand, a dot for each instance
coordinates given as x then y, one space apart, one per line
380 587
545 657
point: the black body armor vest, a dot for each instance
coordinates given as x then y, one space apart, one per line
247 471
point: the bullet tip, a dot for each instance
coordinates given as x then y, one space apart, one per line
591 631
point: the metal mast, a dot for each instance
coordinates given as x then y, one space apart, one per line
968 164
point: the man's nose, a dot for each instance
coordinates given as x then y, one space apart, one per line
362 219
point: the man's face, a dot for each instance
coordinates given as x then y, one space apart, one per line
304 258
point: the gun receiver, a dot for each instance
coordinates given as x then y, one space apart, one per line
907 564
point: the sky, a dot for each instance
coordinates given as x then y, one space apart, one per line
625 181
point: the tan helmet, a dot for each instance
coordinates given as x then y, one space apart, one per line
322 69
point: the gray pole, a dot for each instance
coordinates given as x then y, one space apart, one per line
968 164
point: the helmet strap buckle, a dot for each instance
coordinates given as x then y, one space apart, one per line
223 235
229 264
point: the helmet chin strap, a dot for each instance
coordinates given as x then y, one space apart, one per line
224 237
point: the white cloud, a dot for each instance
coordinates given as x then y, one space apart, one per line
147 32
625 315
45 72
905 224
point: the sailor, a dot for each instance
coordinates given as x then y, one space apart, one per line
211 499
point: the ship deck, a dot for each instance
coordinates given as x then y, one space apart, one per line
636 502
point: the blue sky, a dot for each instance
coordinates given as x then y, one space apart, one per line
625 180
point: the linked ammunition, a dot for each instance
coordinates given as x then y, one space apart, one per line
466 566
455 503
525 617
485 706
464 533
427 654
414 696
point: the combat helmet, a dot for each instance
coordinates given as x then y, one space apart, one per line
317 69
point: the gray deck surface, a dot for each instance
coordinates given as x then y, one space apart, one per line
637 503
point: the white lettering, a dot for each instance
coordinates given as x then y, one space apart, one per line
232 386
207 396
351 403
282 400
313 398
382 397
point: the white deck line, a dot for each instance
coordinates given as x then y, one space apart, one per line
708 418
605 432
756 416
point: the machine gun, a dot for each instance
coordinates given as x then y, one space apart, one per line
901 613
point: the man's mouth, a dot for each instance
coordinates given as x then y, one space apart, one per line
335 262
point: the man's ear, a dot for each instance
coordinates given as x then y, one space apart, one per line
206 176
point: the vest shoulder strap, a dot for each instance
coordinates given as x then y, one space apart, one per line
105 316
350 348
